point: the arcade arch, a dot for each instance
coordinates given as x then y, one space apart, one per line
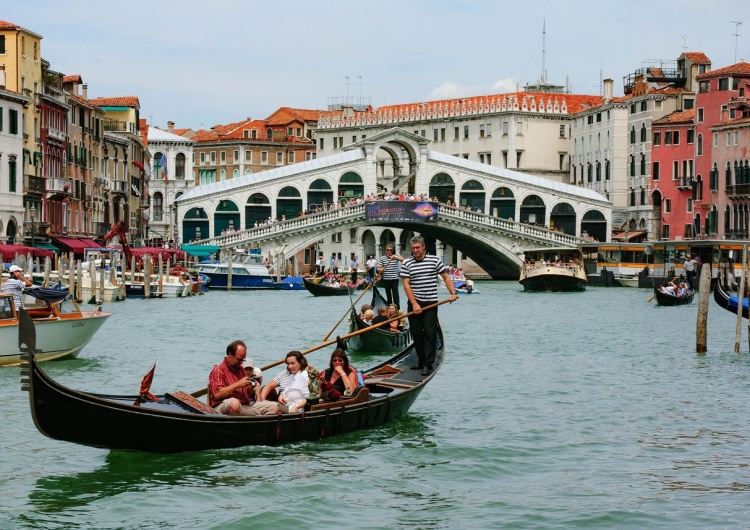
288 203
226 217
472 195
195 224
503 203
443 188
257 209
533 210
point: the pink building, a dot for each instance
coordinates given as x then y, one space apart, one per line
673 177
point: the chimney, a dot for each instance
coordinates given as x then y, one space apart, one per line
85 90
170 126
608 88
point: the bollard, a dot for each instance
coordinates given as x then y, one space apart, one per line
701 332
740 300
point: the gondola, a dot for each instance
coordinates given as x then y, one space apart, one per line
670 300
322 289
177 422
378 340
729 301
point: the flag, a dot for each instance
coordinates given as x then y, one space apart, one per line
163 163
144 394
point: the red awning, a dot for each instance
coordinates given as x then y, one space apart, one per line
73 244
9 252
90 243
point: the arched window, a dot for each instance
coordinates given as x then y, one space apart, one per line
179 166
632 134
157 201
699 149
643 132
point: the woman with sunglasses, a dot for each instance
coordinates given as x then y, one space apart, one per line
339 379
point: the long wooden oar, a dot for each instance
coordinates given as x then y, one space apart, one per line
349 309
203 391
651 299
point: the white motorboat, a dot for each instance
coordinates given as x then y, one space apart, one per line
248 272
62 328
626 281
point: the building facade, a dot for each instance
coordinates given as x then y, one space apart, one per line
12 211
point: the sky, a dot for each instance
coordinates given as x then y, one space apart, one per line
201 63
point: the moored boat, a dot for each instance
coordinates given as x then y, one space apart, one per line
378 340
290 283
730 301
177 422
553 269
627 281
248 272
62 328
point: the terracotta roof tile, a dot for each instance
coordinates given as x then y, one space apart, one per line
284 115
680 116
8 25
75 78
123 101
741 68
697 57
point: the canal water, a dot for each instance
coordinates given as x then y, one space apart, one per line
552 410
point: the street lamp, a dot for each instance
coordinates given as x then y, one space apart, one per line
32 223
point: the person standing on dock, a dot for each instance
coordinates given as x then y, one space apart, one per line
419 273
690 266
388 269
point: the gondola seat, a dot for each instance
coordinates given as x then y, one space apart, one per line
360 395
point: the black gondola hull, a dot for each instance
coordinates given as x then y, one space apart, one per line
670 300
115 422
317 289
728 301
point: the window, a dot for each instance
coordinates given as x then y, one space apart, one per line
203 158
505 128
667 205
1 119
700 115
264 157
716 139
736 138
488 129
213 157
246 134
321 143
667 137
703 87
724 83
291 157
2 43
442 134
354 138
632 135
466 131
699 148
632 166
598 117
13 121
729 138
657 138
643 133
12 176
481 131
435 134
423 133
689 208
643 165
249 156
335 142
676 138
691 136
665 231
455 133
589 120
223 157
562 131
290 131
254 134
632 108
519 128
644 106
279 158
675 169
235 156
179 166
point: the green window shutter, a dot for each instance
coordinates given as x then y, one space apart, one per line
1 119
12 176
13 118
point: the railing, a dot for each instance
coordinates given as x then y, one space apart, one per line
738 190
59 185
343 216
119 126
56 134
119 186
684 183
52 92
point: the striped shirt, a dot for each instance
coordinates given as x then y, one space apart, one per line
422 276
390 268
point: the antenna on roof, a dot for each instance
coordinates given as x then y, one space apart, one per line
543 78
348 84
360 83
684 42
736 34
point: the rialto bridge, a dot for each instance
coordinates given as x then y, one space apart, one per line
499 212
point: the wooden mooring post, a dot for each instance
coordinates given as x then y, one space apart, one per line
701 332
740 300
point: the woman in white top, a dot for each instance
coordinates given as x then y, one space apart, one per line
294 396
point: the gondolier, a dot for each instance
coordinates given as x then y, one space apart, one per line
388 269
320 266
420 273
690 266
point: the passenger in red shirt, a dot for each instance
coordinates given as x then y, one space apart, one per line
232 391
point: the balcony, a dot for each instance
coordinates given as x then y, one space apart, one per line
34 185
119 126
684 183
59 187
101 229
120 187
54 94
55 134
738 191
